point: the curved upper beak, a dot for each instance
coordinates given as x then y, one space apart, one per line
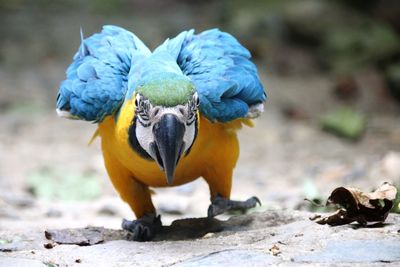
168 146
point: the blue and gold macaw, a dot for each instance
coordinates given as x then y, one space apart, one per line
165 117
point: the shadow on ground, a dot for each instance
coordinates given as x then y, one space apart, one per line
184 229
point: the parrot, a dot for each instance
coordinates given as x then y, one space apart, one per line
164 117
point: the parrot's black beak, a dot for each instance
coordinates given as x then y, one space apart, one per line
168 145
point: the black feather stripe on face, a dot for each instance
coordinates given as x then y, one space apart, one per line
134 143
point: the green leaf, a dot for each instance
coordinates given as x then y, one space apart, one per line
344 122
396 202
310 189
55 184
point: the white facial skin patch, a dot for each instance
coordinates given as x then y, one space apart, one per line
145 124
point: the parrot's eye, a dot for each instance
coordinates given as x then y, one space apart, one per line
196 99
137 100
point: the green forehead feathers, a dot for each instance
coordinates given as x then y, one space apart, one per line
167 92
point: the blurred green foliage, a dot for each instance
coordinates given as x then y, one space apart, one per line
99 6
396 204
342 35
346 49
56 184
25 108
344 122
393 78
314 201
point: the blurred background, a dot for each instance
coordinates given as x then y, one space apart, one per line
331 70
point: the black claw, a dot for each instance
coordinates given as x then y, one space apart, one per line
220 205
143 229
258 201
210 212
127 225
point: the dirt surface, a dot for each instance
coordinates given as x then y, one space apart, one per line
272 237
282 161
285 158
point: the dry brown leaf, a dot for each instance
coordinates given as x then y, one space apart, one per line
386 190
359 206
275 251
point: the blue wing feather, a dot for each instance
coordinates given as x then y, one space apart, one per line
110 63
226 80
97 78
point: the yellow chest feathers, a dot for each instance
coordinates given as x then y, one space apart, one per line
215 147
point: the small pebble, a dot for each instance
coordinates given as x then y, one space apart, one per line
208 235
53 213
108 211
49 245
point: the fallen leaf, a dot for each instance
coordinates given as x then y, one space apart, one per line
314 217
81 237
344 122
387 191
275 251
358 206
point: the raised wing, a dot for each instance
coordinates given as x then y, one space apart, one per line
97 79
226 80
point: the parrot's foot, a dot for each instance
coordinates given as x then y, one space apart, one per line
220 205
144 228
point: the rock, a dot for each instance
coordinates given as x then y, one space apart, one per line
338 251
81 237
235 257
243 240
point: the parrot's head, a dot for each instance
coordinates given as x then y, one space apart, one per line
165 122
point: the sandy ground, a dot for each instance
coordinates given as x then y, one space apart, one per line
282 160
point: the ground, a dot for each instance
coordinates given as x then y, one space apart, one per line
274 237
283 159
